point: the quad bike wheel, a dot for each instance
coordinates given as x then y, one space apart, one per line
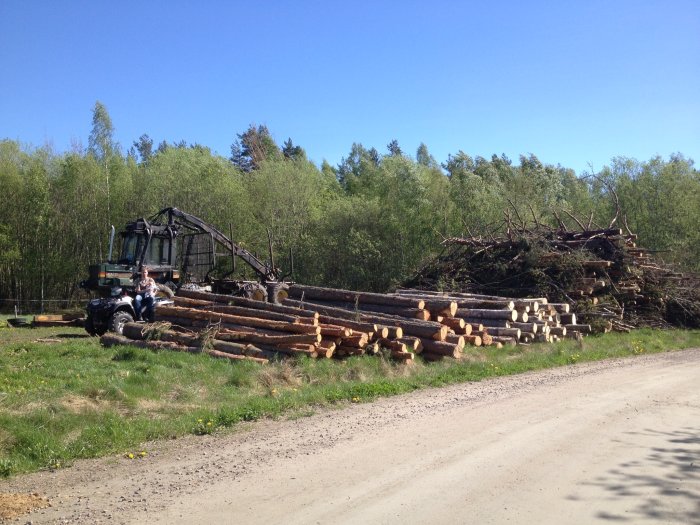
118 320
90 327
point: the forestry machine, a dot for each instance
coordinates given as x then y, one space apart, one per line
178 249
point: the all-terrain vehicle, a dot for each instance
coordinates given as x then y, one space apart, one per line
179 249
113 312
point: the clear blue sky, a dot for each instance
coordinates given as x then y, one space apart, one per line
572 82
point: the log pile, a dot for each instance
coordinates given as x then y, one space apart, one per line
330 323
444 323
239 328
613 283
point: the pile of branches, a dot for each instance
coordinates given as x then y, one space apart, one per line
613 283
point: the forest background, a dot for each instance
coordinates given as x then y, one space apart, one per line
366 224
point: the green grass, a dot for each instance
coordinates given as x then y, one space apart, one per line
71 399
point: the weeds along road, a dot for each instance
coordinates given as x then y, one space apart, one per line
608 442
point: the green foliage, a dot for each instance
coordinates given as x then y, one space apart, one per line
256 146
368 223
101 142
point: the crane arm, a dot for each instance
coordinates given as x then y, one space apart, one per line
175 216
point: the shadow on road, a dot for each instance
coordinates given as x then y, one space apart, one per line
665 485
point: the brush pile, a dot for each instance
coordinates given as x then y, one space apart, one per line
613 283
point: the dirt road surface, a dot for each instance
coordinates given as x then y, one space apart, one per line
608 442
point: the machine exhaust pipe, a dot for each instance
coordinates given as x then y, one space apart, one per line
111 244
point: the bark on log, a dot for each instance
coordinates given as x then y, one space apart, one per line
409 326
529 305
395 332
252 312
526 327
442 348
526 337
455 323
253 322
486 323
485 304
402 356
473 313
330 294
233 357
568 318
232 335
414 344
289 350
329 330
510 332
244 301
378 330
347 351
359 340
184 323
455 339
394 346
399 311
474 340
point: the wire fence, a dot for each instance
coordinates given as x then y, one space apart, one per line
39 306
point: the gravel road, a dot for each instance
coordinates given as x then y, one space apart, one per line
616 441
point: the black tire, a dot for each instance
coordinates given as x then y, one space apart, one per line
166 291
277 292
90 327
118 320
255 291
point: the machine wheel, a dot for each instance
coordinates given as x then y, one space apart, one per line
118 320
255 291
165 291
277 292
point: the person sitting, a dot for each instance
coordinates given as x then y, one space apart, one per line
146 289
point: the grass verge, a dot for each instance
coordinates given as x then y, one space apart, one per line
64 397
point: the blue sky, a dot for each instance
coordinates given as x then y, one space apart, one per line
574 83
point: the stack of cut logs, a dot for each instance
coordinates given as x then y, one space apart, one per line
326 322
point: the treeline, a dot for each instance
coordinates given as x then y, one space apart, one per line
366 224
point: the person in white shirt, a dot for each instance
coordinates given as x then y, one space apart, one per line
146 289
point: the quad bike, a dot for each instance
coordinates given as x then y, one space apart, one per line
113 312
